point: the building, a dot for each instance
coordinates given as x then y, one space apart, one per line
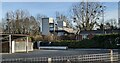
61 24
63 27
50 27
47 26
61 31
91 33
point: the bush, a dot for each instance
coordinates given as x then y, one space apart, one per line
99 41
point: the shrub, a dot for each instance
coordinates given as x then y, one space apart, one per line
99 41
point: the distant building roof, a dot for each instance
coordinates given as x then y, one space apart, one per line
4 37
59 31
100 31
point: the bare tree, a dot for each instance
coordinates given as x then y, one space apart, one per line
9 21
20 22
34 26
1 28
39 20
14 21
26 24
86 14
111 24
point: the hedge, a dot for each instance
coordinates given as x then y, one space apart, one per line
99 41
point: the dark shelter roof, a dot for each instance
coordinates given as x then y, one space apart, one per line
5 37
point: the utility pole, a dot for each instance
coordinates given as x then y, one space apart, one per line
8 25
103 8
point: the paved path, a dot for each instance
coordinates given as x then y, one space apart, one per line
51 53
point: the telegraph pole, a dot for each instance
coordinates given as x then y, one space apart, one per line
103 8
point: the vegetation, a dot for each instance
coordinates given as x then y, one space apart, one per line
111 24
99 41
87 14
21 22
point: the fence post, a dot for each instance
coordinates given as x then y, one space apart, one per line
111 54
49 60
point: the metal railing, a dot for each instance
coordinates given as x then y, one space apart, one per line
87 57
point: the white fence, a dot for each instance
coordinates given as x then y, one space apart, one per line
21 46
89 57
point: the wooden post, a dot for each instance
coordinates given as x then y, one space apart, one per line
27 45
10 47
